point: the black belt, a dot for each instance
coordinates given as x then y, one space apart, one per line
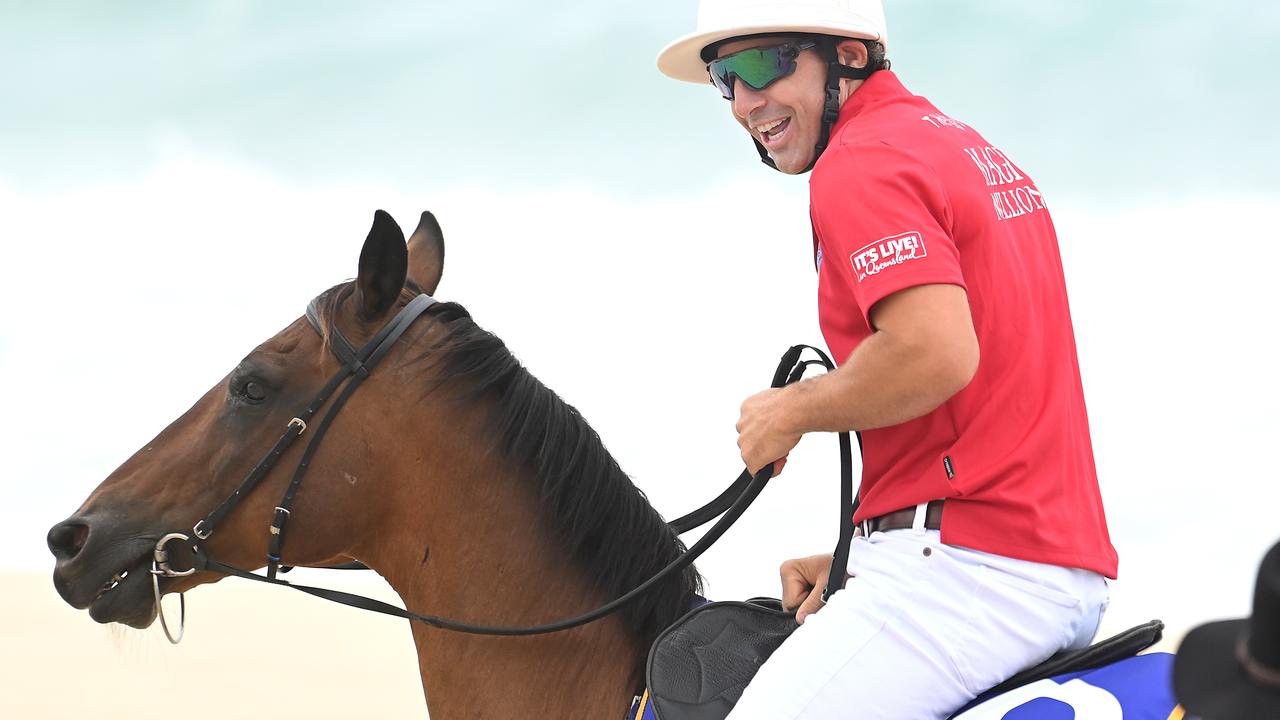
901 520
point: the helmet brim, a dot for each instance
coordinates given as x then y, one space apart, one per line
682 59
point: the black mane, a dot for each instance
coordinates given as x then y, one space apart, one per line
616 537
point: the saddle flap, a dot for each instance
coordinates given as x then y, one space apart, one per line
1125 645
699 666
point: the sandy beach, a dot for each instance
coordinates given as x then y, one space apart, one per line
250 652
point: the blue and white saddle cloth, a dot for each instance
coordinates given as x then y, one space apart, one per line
1136 688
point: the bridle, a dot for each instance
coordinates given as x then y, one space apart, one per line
356 367
357 364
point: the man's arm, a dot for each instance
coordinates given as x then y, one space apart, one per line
923 351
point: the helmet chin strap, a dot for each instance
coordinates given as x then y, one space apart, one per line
831 104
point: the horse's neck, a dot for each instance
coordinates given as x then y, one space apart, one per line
581 673
480 555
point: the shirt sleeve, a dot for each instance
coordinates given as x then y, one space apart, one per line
884 216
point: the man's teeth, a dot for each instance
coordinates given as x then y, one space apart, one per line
769 127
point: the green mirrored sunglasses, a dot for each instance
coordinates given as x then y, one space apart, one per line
757 67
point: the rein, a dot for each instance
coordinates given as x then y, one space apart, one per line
356 367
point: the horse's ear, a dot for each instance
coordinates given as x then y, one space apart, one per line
384 263
426 254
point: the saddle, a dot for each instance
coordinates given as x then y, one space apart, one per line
698 667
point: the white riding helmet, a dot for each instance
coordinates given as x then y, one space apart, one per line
723 19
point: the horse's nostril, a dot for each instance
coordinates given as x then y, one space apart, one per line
66 539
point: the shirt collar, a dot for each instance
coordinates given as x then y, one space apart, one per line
882 86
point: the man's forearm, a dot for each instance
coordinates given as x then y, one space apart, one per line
885 381
924 350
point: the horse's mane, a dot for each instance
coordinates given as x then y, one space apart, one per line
616 537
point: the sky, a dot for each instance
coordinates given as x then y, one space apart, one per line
1141 98
177 180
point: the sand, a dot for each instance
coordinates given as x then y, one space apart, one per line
250 652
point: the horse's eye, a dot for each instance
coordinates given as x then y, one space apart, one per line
253 392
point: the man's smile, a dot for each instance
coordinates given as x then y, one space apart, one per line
772 132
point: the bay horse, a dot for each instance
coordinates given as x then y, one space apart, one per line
472 488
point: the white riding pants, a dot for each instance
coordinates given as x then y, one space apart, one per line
920 629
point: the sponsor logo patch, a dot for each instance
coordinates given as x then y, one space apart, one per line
887 252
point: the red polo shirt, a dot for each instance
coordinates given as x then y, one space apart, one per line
906 196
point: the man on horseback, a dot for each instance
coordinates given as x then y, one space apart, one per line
982 544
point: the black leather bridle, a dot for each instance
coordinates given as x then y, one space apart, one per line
357 364
356 367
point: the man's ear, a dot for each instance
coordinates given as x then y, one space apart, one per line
426 254
852 53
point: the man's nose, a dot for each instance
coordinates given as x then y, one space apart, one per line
746 99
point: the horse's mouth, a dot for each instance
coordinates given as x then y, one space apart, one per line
126 597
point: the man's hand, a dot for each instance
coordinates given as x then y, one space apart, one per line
763 436
802 583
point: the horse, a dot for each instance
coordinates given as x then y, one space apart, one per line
467 484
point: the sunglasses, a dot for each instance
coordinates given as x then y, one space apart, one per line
757 67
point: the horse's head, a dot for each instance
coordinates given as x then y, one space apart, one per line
104 549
